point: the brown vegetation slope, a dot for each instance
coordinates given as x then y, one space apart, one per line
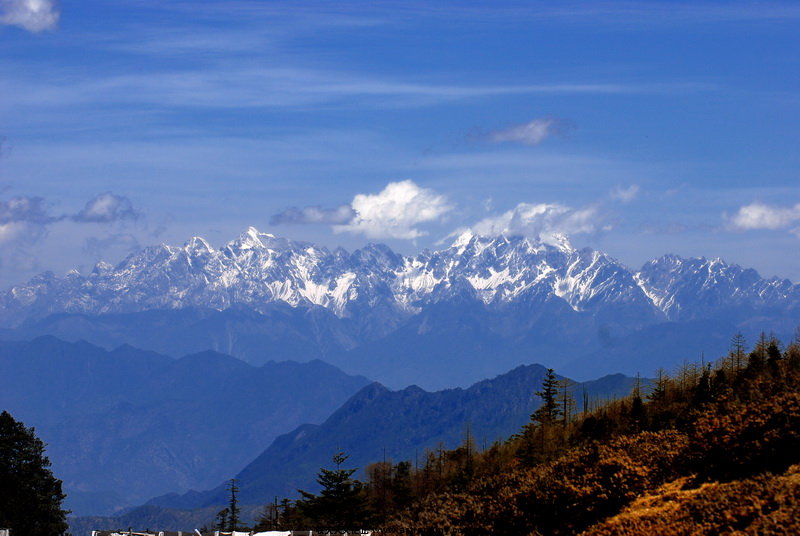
710 450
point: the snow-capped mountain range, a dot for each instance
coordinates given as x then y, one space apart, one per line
438 319
258 268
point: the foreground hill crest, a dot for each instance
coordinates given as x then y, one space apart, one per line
259 268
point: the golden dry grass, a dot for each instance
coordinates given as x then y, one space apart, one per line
762 505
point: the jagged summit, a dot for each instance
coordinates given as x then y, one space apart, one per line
468 238
258 268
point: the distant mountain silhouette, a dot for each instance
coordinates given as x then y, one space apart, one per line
125 425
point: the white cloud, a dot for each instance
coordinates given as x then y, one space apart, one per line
395 212
548 223
762 216
625 195
531 133
32 15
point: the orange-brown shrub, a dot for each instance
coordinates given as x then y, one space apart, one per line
593 482
561 497
766 505
735 440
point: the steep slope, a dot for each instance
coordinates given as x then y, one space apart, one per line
711 452
125 425
765 504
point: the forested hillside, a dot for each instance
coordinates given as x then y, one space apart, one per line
709 449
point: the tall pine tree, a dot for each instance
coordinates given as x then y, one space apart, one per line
549 411
233 506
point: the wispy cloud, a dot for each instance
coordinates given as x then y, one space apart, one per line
531 133
625 194
599 12
32 15
246 87
343 214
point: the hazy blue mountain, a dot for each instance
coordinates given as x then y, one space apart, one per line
279 331
125 425
438 319
398 424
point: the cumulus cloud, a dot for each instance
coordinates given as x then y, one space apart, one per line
531 133
625 195
548 223
762 216
340 215
106 208
32 15
395 212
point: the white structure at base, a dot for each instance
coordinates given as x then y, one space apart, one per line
219 533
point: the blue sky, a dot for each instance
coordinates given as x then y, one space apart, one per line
637 128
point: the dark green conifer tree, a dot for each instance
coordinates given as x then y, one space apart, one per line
342 503
774 356
233 506
549 411
30 496
401 484
222 521
703 392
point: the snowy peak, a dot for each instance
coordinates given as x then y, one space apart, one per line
689 288
253 239
257 269
469 241
198 247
